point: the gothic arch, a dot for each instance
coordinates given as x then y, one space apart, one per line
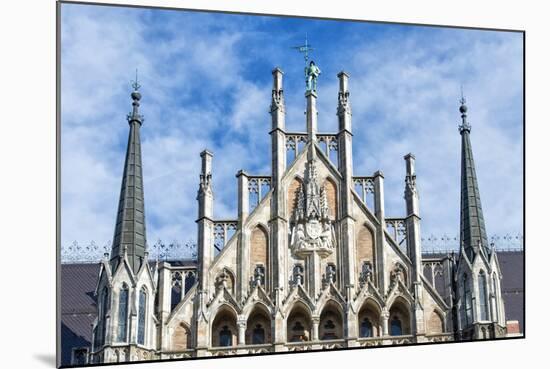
294 188
259 251
399 322
258 325
435 323
224 327
365 252
331 321
368 319
298 323
181 337
331 190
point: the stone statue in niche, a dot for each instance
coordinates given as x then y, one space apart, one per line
312 230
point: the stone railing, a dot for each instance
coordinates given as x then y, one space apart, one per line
222 233
385 341
397 228
364 186
258 187
180 354
316 345
442 337
369 341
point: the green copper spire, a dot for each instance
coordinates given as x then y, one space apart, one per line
473 236
129 235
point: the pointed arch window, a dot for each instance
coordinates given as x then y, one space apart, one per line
366 328
226 337
467 301
396 327
258 335
189 281
104 305
142 315
177 293
483 305
495 292
123 313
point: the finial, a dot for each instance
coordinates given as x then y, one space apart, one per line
463 109
135 83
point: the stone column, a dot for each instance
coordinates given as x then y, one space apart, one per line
278 224
313 274
205 224
413 242
315 328
351 332
345 167
380 213
311 116
241 324
165 297
385 317
205 221
278 329
243 243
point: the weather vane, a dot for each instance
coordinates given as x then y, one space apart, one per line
462 99
305 49
311 71
135 83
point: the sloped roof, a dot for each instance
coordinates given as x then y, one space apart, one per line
78 305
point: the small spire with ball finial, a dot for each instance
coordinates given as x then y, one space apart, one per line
463 110
134 116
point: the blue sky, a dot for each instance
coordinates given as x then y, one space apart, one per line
206 83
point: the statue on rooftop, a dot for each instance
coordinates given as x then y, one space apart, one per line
312 72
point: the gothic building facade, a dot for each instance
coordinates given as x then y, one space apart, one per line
311 261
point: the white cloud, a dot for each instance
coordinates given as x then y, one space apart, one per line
197 93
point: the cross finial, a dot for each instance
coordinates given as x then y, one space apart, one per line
135 83
462 99
305 49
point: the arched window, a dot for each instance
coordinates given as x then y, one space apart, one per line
123 314
329 331
299 332
103 314
177 293
467 301
258 335
226 336
495 292
366 328
141 315
483 305
189 281
396 328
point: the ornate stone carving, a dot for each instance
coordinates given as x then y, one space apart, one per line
397 274
312 230
205 185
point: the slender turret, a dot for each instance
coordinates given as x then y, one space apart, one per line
129 238
473 236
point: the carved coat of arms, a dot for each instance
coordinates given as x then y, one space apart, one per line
312 229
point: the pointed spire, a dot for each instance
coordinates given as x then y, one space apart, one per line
130 239
473 236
